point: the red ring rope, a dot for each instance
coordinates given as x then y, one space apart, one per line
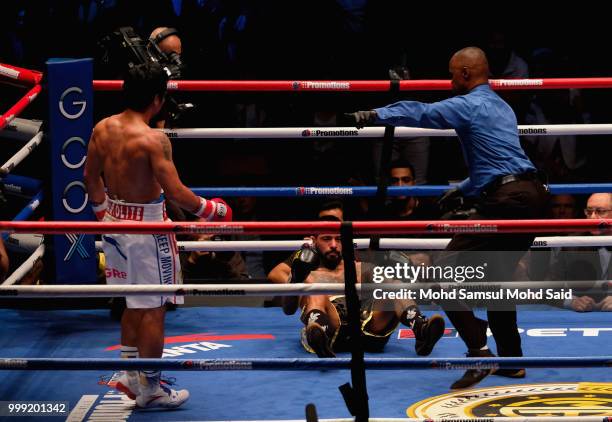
19 106
31 77
365 86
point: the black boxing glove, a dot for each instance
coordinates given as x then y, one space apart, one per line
303 262
361 118
451 200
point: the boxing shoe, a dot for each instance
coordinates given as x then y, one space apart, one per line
473 376
427 332
316 339
128 383
161 397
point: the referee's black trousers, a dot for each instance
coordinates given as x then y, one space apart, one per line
521 199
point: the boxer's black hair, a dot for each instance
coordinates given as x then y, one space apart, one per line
142 83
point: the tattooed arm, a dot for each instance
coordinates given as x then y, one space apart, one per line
167 176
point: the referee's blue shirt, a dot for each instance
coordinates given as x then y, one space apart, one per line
485 124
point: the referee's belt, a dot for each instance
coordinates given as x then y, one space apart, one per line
509 178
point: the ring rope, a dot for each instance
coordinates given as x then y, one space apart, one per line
95 290
20 155
370 132
308 133
27 211
21 185
370 191
21 74
25 267
30 207
19 106
302 364
23 243
601 225
363 86
385 243
22 128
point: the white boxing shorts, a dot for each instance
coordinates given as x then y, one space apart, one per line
141 259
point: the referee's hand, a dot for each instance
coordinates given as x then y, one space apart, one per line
361 118
451 200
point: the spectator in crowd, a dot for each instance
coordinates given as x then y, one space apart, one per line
407 207
537 264
562 206
209 266
591 263
246 209
559 155
506 63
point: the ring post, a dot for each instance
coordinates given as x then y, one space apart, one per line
355 396
70 121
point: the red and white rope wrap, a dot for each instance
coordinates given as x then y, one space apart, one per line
19 106
365 86
600 226
31 77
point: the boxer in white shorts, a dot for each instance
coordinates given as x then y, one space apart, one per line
128 167
141 259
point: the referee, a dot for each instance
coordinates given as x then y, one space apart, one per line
503 181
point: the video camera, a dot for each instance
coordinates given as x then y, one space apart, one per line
124 49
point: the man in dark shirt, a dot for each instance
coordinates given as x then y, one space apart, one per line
402 207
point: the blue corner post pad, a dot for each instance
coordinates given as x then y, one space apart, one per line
70 93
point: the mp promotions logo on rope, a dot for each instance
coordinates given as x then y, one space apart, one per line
527 400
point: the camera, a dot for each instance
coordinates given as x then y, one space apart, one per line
124 48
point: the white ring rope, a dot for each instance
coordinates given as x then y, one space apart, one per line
271 289
370 132
24 242
21 154
385 243
22 129
25 267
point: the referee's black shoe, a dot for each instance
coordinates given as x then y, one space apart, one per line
473 376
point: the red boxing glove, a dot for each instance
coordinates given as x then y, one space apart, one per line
224 212
100 209
215 209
